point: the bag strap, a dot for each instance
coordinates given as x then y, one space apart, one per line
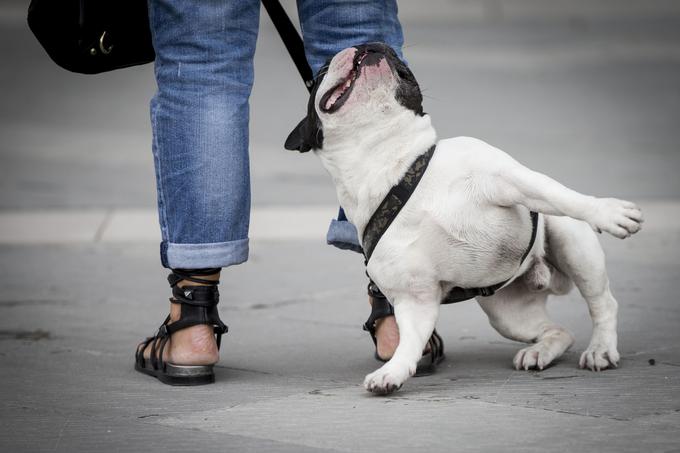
291 39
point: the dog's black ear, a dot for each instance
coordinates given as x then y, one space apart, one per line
306 136
296 139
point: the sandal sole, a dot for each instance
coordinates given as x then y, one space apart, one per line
181 375
428 368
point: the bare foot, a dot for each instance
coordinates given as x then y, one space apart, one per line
387 333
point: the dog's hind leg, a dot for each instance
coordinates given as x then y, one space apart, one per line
575 249
416 317
520 314
513 183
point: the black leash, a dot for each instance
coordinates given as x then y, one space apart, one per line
291 39
392 204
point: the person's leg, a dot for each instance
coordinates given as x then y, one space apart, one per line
199 117
329 27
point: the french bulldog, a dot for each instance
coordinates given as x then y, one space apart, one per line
467 223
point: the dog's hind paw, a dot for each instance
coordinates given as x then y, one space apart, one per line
619 218
598 358
537 356
387 379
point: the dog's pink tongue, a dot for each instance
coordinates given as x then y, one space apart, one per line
334 97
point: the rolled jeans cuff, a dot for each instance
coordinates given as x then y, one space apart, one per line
343 235
201 256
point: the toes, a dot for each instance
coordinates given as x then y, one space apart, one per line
519 359
631 226
634 214
599 360
601 363
531 358
620 218
613 357
618 232
383 382
381 388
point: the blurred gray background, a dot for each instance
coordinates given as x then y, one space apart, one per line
587 91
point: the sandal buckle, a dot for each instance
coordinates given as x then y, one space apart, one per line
163 331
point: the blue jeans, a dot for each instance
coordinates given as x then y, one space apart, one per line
199 115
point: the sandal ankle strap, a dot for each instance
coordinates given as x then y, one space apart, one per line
199 296
380 308
199 303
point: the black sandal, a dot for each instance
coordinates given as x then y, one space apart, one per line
198 306
382 308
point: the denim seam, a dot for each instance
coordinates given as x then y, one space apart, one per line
161 198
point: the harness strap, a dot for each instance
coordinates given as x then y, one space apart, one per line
395 199
458 294
380 308
392 204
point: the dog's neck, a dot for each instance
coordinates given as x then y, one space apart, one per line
366 162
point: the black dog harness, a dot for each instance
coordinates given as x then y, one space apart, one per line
392 204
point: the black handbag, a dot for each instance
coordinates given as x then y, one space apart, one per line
93 36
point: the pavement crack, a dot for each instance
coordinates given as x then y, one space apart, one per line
247 370
549 378
315 322
30 335
61 433
32 302
302 299
500 389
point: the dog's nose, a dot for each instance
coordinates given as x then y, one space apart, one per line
373 47
374 52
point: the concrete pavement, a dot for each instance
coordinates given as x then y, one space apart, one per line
585 91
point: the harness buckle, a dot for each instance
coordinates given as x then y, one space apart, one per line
486 292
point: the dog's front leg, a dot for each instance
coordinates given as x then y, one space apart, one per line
416 320
513 183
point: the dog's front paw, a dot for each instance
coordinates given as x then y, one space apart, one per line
599 357
388 378
619 218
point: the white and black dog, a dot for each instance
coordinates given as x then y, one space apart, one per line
467 224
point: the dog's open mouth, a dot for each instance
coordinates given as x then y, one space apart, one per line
336 96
